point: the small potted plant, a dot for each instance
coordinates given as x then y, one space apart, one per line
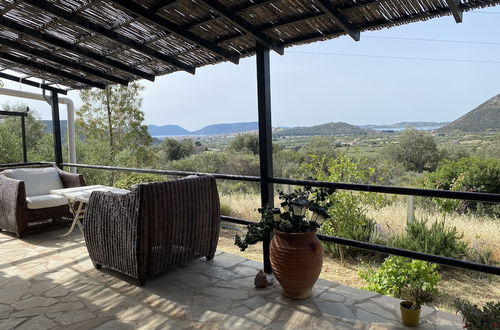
410 310
414 280
296 253
475 318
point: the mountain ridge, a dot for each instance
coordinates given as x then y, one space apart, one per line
229 128
167 130
483 118
331 128
403 124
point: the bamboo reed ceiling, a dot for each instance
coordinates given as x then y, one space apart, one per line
93 43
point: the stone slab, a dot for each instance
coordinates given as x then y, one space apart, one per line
50 283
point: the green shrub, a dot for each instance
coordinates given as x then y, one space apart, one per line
436 239
135 178
347 209
207 162
245 142
399 276
352 226
466 174
173 149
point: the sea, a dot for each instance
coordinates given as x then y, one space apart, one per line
399 129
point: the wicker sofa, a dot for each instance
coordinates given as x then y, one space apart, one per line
155 227
25 200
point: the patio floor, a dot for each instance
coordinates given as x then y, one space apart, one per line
50 283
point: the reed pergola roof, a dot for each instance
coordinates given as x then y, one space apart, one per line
93 43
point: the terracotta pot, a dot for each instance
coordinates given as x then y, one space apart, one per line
409 316
296 259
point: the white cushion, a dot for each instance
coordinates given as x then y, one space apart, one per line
38 181
45 201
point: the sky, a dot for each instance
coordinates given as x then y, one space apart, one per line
382 79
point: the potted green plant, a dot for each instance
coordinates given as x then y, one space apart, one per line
413 280
296 253
410 309
475 318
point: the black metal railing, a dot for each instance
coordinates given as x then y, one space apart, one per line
476 196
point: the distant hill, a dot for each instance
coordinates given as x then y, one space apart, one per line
167 130
324 129
484 118
404 124
227 128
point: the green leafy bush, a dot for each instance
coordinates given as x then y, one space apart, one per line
399 276
347 209
172 149
245 142
466 174
475 318
436 239
135 178
352 226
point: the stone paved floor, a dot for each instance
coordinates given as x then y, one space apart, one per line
50 283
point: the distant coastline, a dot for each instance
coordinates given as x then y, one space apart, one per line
399 129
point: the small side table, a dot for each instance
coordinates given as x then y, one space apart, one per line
78 198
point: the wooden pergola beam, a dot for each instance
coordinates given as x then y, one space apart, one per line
46 38
242 24
455 9
339 18
61 60
38 66
167 25
163 5
54 10
32 83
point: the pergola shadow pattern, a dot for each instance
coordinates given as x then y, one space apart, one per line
93 43
48 283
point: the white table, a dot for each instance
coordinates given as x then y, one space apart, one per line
78 198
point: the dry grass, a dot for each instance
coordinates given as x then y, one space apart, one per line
243 206
479 232
454 284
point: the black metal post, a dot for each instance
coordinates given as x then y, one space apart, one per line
23 137
56 130
265 138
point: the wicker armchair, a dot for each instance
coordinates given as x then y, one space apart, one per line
155 227
15 214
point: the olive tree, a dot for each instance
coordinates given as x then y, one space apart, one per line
246 142
172 149
111 124
416 150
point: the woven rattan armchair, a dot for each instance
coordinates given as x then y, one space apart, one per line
155 227
17 217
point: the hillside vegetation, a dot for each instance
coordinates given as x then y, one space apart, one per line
324 129
484 118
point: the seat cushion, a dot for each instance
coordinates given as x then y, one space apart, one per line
38 181
45 201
